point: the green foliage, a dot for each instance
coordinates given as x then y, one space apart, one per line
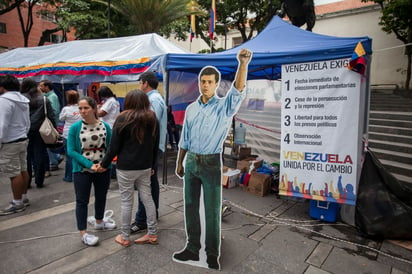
88 19
147 16
179 28
397 18
244 15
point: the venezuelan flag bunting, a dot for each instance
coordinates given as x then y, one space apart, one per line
192 27
357 62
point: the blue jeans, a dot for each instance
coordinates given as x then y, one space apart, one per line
82 187
173 133
54 158
36 158
68 173
203 172
154 184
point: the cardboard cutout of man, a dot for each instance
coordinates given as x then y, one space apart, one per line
206 124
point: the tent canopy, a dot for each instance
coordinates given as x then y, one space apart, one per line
97 60
122 59
279 43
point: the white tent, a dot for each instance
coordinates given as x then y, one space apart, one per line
98 60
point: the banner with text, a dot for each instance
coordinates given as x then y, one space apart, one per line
320 131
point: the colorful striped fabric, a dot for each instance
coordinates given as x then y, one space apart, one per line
105 68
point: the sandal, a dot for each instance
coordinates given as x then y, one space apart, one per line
147 239
119 239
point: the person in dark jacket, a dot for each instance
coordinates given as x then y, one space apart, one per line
135 141
36 151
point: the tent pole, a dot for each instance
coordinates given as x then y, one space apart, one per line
166 89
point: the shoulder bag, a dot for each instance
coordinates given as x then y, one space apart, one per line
48 133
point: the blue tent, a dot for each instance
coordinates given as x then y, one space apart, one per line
279 43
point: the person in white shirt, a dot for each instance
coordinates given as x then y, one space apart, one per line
69 114
108 113
14 126
110 108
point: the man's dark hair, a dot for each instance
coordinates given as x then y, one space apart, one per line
150 78
47 83
210 71
9 83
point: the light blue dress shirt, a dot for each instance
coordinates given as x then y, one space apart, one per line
206 125
159 107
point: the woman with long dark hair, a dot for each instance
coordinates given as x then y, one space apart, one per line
87 144
135 142
37 157
110 108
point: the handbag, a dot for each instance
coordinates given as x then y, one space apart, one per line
48 133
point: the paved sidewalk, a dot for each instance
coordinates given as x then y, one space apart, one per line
260 235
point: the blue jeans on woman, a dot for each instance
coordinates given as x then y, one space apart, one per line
83 182
68 173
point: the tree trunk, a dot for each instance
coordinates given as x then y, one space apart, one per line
46 33
26 28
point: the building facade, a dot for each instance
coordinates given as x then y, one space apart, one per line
11 34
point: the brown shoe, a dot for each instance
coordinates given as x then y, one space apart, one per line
147 239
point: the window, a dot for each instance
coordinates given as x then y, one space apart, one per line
236 41
56 38
3 28
47 16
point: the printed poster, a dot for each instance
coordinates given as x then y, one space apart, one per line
321 132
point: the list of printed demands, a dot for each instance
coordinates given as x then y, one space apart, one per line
320 110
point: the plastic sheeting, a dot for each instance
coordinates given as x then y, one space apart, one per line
97 60
383 205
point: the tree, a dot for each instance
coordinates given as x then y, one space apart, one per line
9 5
27 25
147 16
244 15
25 13
87 18
396 17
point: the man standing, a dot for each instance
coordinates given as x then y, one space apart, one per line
14 126
46 87
206 124
148 84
